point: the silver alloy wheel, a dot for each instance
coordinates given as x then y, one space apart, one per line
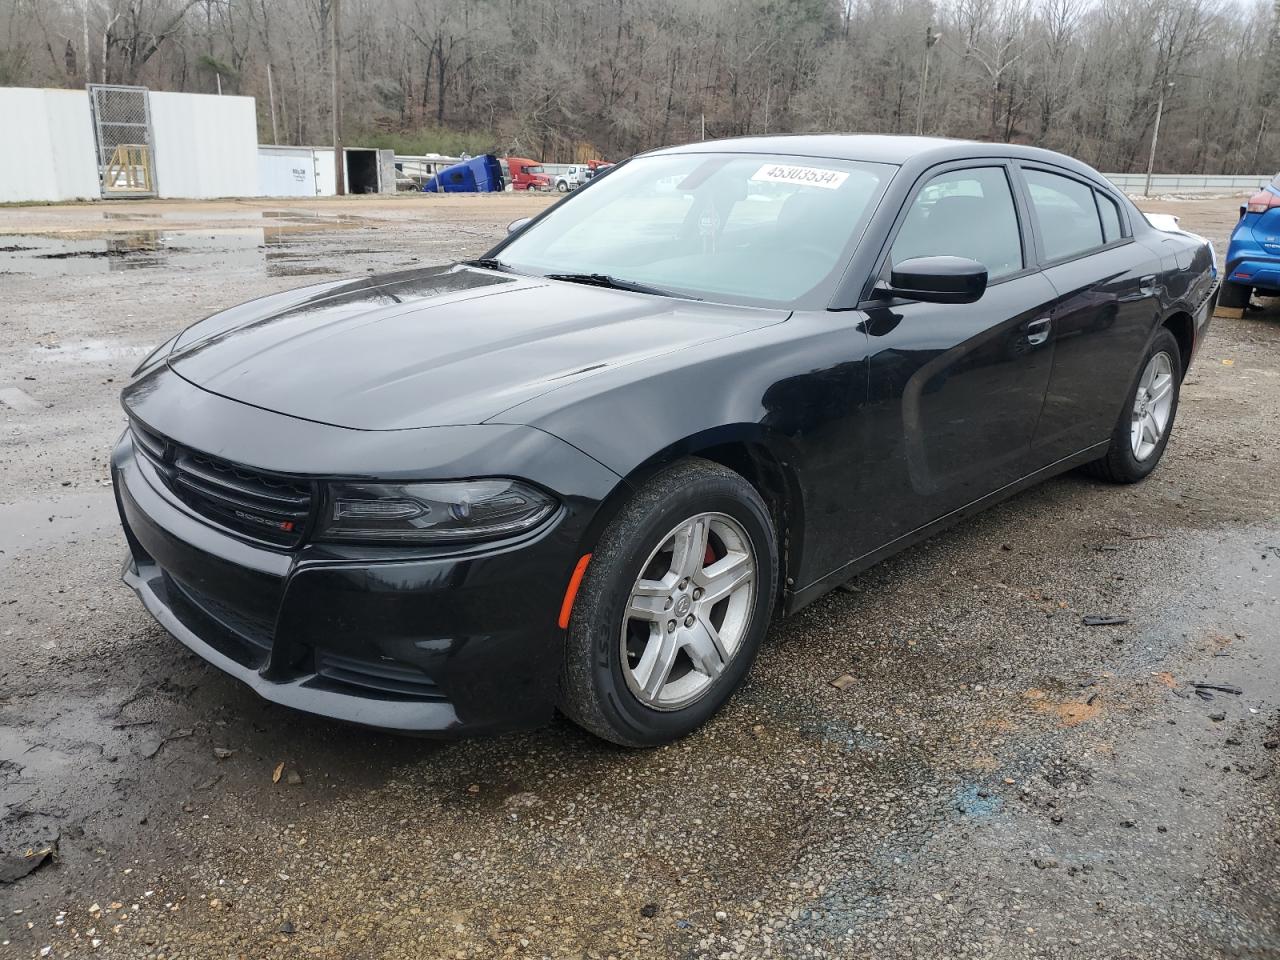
686 617
1152 406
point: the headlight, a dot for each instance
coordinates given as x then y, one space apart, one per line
432 512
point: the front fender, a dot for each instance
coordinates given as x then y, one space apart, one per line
795 391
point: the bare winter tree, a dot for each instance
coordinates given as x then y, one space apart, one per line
570 79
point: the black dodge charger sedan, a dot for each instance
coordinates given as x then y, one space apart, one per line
586 470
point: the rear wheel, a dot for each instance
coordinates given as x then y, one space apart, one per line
1234 295
1143 429
673 607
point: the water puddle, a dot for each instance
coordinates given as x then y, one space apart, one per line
239 215
29 525
273 251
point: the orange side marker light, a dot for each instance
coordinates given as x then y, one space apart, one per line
575 581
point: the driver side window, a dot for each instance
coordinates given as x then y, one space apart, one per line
964 213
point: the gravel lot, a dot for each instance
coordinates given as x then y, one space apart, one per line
997 781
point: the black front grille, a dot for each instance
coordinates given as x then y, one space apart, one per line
263 506
385 678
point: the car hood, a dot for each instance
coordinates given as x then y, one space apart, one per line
436 347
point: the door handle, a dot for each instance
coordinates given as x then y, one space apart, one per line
1037 331
1147 284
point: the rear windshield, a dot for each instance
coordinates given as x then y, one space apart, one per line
739 228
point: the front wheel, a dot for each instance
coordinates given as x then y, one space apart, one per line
671 612
1143 429
562 187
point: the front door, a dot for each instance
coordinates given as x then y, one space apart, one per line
956 389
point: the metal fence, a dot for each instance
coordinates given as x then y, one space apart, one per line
1163 183
122 128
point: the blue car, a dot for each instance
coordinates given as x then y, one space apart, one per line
1253 255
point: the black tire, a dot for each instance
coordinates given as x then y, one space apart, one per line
1234 295
562 187
593 690
1120 465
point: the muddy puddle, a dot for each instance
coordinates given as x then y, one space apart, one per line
312 217
270 251
30 526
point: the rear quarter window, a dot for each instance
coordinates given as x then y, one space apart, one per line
1110 213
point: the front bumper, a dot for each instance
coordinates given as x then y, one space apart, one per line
429 641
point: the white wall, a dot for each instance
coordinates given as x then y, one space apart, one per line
206 146
286 173
48 151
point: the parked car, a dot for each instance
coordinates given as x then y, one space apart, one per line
589 468
526 174
574 177
1253 253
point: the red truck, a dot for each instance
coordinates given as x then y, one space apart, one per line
526 174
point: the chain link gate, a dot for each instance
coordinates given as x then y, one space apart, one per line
122 128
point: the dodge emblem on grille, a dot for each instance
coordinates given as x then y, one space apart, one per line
286 525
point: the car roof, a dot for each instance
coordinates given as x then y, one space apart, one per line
877 148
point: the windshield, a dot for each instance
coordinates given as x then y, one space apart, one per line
536 168
739 228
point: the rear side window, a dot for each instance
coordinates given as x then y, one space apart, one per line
1110 218
964 213
1066 214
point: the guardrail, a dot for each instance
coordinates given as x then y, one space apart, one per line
1189 183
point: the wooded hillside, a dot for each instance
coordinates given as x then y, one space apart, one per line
572 79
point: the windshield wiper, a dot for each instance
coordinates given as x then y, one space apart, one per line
488 263
614 283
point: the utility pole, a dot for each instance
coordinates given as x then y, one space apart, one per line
339 173
88 60
930 38
271 95
1155 135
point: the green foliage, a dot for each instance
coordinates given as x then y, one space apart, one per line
423 140
214 65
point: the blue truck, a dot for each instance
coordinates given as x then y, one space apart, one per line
474 175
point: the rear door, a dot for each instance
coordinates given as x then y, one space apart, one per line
1106 306
956 389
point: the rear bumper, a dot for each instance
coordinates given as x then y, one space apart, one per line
1249 264
1203 317
443 643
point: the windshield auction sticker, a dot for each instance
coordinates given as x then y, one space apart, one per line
804 176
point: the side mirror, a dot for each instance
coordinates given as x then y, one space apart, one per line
517 225
937 280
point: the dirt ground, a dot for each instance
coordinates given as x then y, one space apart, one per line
998 780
